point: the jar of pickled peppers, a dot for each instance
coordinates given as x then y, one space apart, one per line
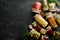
38 28
51 20
37 7
50 30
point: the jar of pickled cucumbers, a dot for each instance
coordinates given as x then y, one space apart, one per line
41 20
45 5
34 33
52 7
43 31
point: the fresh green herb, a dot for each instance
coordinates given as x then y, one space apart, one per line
26 34
54 1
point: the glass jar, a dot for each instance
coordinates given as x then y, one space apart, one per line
37 7
56 34
41 20
45 5
50 30
51 20
36 26
57 17
43 31
34 33
52 7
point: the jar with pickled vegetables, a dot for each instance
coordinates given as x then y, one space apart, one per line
51 20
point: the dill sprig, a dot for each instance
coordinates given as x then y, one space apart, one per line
26 34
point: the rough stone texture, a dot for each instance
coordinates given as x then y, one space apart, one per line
15 15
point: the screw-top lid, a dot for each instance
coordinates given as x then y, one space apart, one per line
48 15
34 24
48 28
54 14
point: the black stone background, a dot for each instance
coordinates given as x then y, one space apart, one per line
15 16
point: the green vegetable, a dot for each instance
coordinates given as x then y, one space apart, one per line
26 34
54 1
50 1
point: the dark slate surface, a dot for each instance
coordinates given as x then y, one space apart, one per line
15 15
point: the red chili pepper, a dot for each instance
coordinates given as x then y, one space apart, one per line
37 6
